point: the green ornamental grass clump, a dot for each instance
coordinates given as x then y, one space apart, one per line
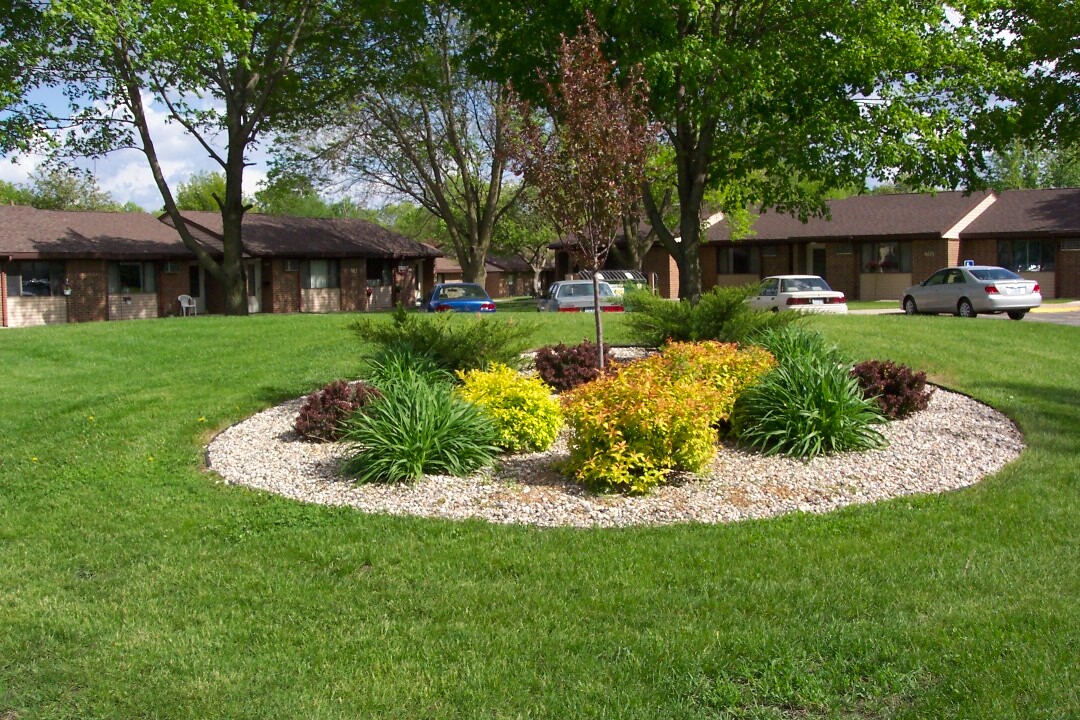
416 428
526 416
631 429
454 342
808 406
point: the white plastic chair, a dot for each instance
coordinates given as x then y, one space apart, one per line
187 303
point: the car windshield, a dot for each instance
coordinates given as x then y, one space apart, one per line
804 285
584 290
994 274
463 292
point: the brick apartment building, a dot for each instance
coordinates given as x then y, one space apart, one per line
60 266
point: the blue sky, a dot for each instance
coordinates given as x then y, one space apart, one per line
125 174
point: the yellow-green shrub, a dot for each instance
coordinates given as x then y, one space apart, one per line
526 417
630 430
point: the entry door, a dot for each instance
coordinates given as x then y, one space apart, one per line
254 286
817 262
197 287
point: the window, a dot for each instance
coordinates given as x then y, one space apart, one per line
132 277
1026 255
35 279
886 257
320 274
379 272
738 260
937 278
803 285
844 248
769 251
769 287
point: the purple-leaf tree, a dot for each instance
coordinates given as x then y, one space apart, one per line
586 155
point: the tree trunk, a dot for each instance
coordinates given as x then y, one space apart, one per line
599 323
232 218
537 289
474 268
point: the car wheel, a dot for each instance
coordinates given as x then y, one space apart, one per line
910 308
774 309
1017 314
964 308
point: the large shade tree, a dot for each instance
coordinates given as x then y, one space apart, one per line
229 72
587 158
774 103
429 131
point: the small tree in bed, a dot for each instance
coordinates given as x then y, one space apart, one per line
587 158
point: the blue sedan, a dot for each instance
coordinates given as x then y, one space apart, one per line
459 297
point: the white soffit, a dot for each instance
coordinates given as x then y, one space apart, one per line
953 233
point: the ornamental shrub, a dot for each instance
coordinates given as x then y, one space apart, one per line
418 428
898 390
453 342
567 366
721 314
323 413
525 415
808 406
631 429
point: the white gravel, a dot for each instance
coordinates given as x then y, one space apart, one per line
954 443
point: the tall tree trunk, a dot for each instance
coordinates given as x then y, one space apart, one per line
232 218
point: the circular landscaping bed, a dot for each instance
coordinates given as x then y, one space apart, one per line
953 443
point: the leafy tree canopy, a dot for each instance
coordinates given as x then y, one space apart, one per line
62 188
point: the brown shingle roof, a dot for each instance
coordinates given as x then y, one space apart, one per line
287 236
902 216
29 232
1029 212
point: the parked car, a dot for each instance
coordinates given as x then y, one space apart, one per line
807 293
972 290
459 297
577 296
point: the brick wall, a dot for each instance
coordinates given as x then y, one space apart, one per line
779 264
929 256
709 276
285 288
1068 273
89 299
658 261
353 284
842 270
320 300
427 278
171 285
497 284
3 296
215 296
982 252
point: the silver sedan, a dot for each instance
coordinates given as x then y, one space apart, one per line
972 290
577 296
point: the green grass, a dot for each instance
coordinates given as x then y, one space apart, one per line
134 585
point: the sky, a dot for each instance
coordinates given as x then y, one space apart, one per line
126 176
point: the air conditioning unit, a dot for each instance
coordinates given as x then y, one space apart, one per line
172 267
292 266
1070 244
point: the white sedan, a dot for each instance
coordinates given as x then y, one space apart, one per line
807 293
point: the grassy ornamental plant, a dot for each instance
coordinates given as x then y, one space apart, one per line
526 416
808 406
418 428
631 429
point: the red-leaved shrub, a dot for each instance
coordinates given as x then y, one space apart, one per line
324 411
898 389
567 366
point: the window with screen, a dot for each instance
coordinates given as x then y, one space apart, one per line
34 278
1026 255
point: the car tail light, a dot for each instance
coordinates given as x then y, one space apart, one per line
440 307
487 306
991 289
611 308
569 309
835 300
798 301
1036 288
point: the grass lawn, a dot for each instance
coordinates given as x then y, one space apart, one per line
133 585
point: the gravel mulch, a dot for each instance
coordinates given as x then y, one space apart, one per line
953 443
